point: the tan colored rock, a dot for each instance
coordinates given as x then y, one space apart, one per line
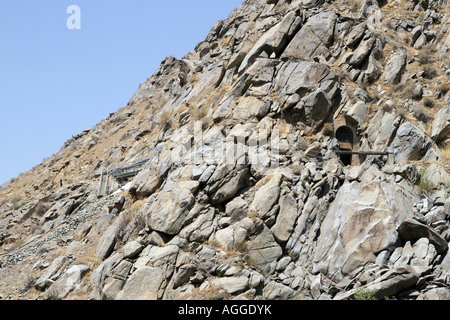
266 196
143 284
286 219
441 125
313 38
168 210
263 250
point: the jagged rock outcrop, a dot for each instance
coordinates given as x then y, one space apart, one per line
221 179
361 223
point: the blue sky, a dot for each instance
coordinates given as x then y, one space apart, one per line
55 82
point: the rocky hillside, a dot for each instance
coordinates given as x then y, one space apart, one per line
301 151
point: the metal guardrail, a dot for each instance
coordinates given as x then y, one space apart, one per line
129 170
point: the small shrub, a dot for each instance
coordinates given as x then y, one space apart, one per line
426 55
391 25
198 113
41 209
401 112
361 294
423 115
408 90
445 150
53 293
241 246
429 73
428 103
166 121
425 185
17 206
328 129
424 60
28 283
388 107
399 88
444 87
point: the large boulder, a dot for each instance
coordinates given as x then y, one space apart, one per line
441 124
266 196
132 249
361 222
231 187
143 284
445 47
201 228
445 264
408 143
412 230
317 106
101 273
363 51
207 83
356 34
388 285
70 280
358 112
147 181
277 291
381 128
273 40
395 68
304 76
232 285
286 218
50 275
108 240
234 236
308 90
250 107
263 250
159 257
436 175
314 38
435 294
167 211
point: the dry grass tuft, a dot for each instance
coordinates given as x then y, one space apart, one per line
445 152
423 114
166 121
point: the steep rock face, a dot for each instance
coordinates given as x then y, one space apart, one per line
220 178
361 223
408 142
167 213
314 38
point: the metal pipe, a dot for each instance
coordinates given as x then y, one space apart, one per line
375 153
